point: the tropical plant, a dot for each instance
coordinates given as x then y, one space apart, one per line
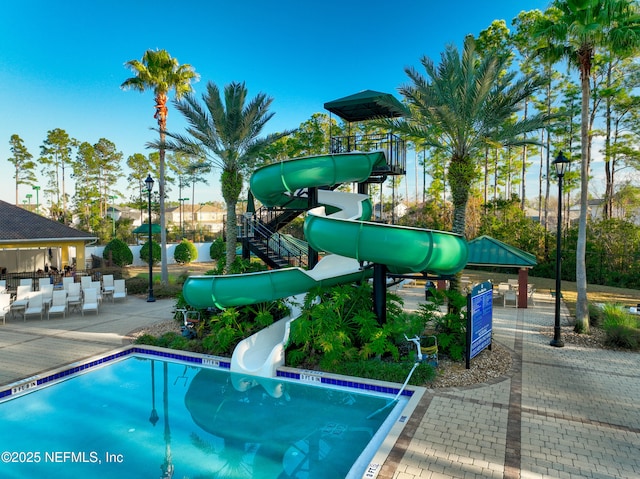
226 132
582 27
159 72
119 252
620 326
463 106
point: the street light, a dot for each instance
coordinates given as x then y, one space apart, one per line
150 298
37 188
113 214
560 164
182 200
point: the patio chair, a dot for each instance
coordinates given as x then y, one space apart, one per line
47 292
107 283
5 306
3 285
74 297
44 282
35 306
98 287
66 281
510 295
22 299
90 302
120 290
85 282
26 282
58 304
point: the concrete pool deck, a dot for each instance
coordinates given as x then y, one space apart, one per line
569 412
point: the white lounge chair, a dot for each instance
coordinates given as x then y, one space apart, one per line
47 294
3 285
107 283
21 302
58 303
74 296
120 290
85 282
66 281
43 282
98 287
26 282
5 306
90 302
35 306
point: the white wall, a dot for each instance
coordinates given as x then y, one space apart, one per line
203 253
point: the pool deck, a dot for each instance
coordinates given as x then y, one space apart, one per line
569 412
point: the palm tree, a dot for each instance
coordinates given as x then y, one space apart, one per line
582 27
463 107
159 72
226 132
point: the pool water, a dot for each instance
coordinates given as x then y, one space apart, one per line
143 417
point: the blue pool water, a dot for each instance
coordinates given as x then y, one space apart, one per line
143 417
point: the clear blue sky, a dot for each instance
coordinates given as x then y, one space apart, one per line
62 63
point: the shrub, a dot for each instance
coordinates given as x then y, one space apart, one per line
156 252
185 252
217 250
119 252
450 328
620 326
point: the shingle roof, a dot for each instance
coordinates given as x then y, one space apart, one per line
18 224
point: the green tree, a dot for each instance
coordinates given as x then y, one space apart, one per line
55 155
139 167
22 162
468 99
582 27
227 133
159 72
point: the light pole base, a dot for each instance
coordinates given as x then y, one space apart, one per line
150 298
557 343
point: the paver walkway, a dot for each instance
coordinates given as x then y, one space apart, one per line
569 412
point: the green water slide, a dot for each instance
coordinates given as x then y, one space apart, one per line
346 235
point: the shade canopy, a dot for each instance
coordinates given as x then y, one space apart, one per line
143 229
366 105
487 251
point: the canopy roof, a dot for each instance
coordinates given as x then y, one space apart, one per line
366 105
487 251
143 229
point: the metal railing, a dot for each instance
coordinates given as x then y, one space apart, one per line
394 147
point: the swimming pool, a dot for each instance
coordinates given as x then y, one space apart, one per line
143 415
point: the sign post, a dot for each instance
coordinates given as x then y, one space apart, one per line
479 320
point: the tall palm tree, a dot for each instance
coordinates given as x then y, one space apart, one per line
226 132
159 72
582 27
462 107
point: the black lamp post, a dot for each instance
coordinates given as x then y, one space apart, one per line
560 164
150 298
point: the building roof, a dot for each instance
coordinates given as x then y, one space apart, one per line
488 251
20 225
365 105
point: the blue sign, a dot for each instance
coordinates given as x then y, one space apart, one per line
479 319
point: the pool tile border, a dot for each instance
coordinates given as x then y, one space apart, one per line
309 377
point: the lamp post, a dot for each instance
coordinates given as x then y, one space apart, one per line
37 188
113 215
182 200
560 164
150 298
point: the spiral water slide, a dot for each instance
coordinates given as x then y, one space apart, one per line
345 234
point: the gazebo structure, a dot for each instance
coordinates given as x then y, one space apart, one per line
29 242
487 251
